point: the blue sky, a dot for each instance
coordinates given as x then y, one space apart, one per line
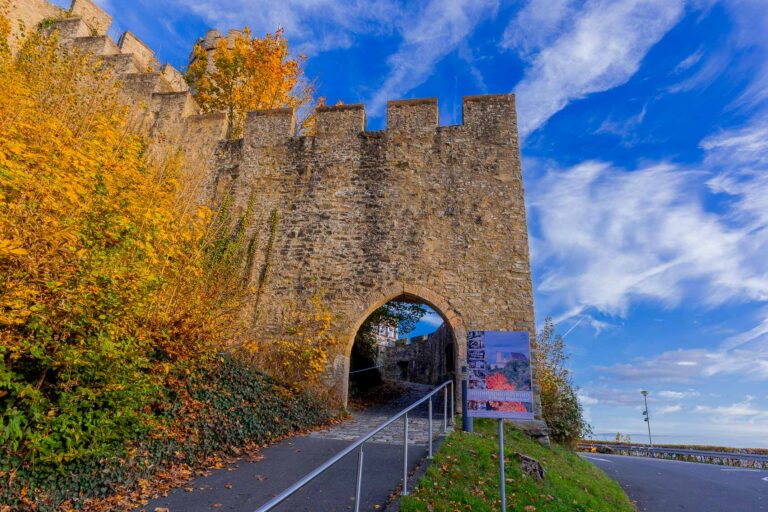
645 154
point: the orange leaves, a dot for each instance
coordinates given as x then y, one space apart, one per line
244 73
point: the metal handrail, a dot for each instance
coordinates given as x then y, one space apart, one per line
277 500
366 369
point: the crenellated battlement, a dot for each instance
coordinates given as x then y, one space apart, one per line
93 15
490 115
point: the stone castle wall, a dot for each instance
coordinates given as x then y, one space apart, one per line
434 214
424 359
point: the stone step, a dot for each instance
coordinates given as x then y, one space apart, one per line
123 63
68 29
96 45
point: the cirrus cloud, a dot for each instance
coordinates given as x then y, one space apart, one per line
575 50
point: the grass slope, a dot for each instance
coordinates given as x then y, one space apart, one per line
465 476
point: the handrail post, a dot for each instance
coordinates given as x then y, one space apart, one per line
453 403
445 409
502 480
430 428
359 485
405 456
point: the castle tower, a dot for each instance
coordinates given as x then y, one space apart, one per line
417 212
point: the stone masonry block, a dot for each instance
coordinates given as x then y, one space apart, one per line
93 15
340 121
415 117
269 127
97 45
129 43
491 117
69 29
174 78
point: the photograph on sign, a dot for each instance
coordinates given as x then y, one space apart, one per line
499 379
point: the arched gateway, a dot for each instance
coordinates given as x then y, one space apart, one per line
417 212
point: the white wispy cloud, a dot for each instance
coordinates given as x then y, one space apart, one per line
750 32
432 319
314 25
693 365
756 333
611 396
668 409
433 33
678 395
575 50
689 61
744 410
608 236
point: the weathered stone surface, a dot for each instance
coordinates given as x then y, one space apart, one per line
426 359
421 212
25 15
531 467
93 15
131 44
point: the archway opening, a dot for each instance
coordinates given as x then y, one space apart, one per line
402 347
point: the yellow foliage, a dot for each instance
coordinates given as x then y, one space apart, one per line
245 73
105 276
302 353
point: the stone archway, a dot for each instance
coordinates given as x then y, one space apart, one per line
406 292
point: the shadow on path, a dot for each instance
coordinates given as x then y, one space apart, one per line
245 486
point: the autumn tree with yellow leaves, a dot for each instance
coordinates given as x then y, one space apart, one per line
107 280
244 73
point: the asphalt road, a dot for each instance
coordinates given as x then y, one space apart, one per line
659 485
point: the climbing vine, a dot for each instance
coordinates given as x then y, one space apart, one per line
274 220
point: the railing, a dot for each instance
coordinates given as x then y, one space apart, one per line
366 369
277 500
684 454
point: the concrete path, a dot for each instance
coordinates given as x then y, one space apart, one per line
659 485
247 485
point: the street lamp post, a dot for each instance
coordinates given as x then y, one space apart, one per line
647 416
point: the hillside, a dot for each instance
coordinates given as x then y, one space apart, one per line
464 476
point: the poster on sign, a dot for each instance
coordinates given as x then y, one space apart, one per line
499 375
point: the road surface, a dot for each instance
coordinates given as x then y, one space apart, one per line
659 485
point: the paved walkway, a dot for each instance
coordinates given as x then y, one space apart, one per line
247 485
363 422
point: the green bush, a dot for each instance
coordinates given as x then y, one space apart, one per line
559 401
217 411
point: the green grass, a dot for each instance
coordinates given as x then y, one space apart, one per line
465 476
